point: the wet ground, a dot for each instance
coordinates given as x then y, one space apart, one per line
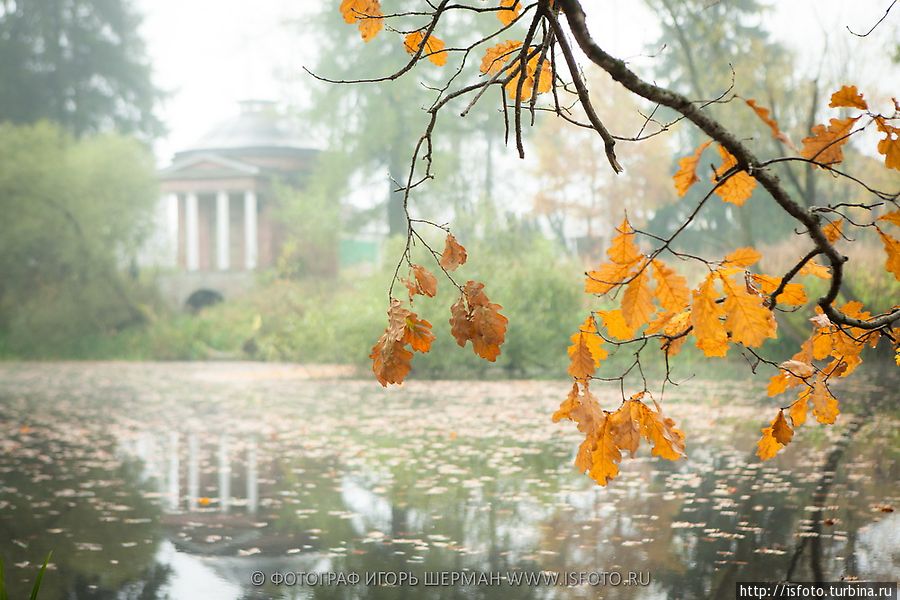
184 480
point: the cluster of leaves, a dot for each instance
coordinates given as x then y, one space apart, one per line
473 318
732 305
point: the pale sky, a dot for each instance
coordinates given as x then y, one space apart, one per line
210 54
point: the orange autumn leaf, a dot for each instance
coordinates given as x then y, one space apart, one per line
892 217
626 424
832 230
825 144
890 145
746 318
825 406
606 277
671 288
421 281
815 269
615 324
798 412
775 437
667 440
792 295
686 176
637 302
434 47
598 453
497 56
622 249
706 313
454 254
892 249
764 115
586 343
536 80
742 257
848 97
476 319
391 361
418 333
509 10
367 13
739 186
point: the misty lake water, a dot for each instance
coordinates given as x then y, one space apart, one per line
183 480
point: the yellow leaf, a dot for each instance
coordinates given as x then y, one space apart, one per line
763 114
496 57
781 431
832 230
892 249
890 145
582 363
825 406
509 10
367 13
849 97
668 442
615 324
742 257
587 335
434 47
686 176
568 405
815 269
777 384
705 317
671 288
454 254
606 277
622 249
892 217
768 446
605 456
792 295
626 425
637 302
748 321
824 145
798 412
739 186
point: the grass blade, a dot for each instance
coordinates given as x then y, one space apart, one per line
3 594
40 576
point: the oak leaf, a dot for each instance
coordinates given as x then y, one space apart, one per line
892 217
738 187
606 277
798 412
768 446
667 440
616 326
454 254
671 288
706 315
586 351
509 10
686 176
781 431
832 231
764 115
622 249
637 302
892 249
496 57
475 318
793 294
746 318
825 406
421 281
890 145
626 424
742 257
849 97
434 47
367 13
815 269
825 144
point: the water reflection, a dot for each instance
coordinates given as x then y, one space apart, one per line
149 484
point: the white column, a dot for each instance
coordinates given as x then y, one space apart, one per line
223 245
192 235
250 241
172 230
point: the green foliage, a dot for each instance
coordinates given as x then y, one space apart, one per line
80 63
75 213
37 581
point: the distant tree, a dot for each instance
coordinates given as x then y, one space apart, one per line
74 214
80 63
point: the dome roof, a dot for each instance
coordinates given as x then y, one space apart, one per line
259 125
